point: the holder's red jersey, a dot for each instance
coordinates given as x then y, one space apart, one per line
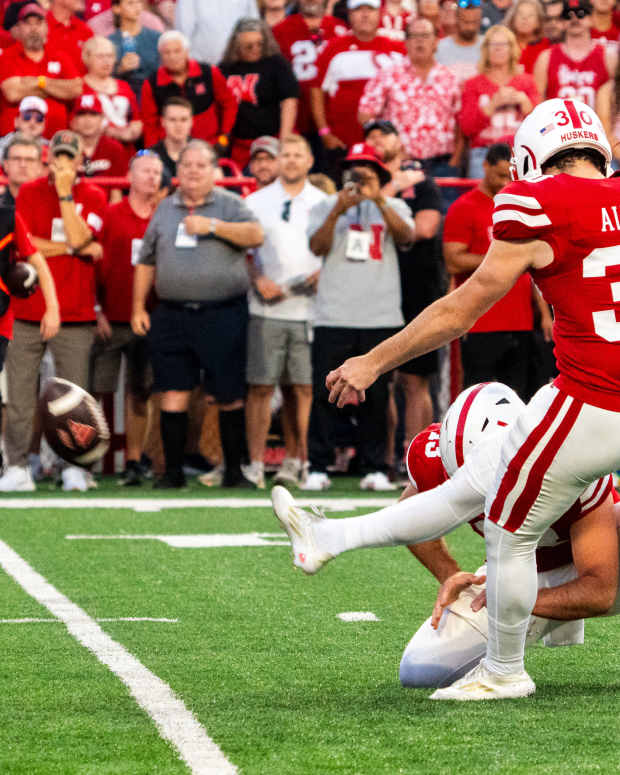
426 472
578 80
580 220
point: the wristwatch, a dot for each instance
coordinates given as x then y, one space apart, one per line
68 198
212 226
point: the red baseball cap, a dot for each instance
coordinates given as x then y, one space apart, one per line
87 103
363 153
31 9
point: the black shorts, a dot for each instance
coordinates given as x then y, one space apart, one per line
211 337
4 343
417 295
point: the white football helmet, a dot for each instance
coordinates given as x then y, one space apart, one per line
553 126
478 412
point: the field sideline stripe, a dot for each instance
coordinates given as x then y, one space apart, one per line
32 620
173 720
156 504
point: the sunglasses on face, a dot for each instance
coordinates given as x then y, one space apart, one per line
468 3
286 210
578 13
28 115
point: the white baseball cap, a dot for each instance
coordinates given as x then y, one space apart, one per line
353 4
33 103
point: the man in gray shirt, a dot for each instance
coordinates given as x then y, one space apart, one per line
358 300
194 253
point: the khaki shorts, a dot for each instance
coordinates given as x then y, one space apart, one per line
106 358
279 352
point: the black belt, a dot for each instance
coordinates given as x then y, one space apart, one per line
198 306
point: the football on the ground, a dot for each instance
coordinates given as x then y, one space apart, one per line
73 423
22 279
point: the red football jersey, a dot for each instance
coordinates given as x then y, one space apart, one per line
579 219
301 47
469 220
579 80
423 460
344 67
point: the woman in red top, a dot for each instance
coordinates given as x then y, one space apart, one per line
118 101
495 102
526 19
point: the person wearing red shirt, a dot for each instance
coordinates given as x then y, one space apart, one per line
301 36
579 66
65 217
31 67
394 19
495 102
214 104
119 103
66 32
344 67
499 345
602 27
101 155
123 229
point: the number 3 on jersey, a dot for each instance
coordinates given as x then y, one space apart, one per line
606 325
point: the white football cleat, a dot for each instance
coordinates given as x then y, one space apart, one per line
481 684
299 525
17 479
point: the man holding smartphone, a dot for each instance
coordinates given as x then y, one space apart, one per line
358 301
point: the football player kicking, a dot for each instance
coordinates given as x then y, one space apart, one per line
451 470
560 222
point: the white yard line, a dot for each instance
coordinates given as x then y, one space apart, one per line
173 720
30 620
157 504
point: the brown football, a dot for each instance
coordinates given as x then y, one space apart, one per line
73 423
22 279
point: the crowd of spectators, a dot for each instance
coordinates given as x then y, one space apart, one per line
344 113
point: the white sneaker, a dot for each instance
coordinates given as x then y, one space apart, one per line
299 525
481 684
74 479
377 481
213 478
17 479
289 471
316 480
255 473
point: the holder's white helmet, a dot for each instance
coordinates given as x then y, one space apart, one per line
479 411
554 126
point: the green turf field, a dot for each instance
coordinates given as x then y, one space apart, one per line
256 654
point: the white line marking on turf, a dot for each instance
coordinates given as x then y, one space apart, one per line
98 619
173 720
148 504
358 616
195 541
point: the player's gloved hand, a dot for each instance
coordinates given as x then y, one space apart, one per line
450 590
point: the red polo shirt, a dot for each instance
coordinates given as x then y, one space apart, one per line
123 230
22 248
74 277
14 62
470 221
68 38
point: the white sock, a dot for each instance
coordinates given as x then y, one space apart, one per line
423 517
512 587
